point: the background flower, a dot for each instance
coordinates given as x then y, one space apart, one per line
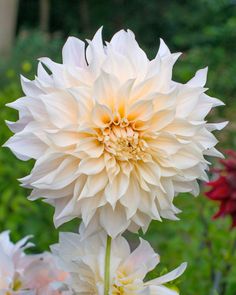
22 274
113 136
84 260
223 188
14 260
43 276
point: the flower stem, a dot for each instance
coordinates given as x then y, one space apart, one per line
107 267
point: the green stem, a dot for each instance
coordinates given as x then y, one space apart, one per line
107 267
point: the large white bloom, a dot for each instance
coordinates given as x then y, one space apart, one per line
22 274
84 260
113 136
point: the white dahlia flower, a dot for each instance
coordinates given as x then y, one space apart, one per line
22 274
113 136
84 260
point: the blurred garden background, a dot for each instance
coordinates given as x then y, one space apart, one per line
205 31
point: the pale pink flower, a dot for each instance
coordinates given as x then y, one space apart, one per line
22 274
43 276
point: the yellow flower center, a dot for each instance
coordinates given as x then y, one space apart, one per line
118 290
15 286
124 285
123 142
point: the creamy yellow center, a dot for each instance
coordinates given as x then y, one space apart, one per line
118 290
15 286
125 285
123 142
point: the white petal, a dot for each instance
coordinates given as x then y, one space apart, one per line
105 89
141 110
199 79
150 172
59 205
162 119
62 176
43 75
94 184
56 69
216 126
26 147
119 221
125 43
117 188
131 199
154 290
61 108
95 50
63 138
90 146
163 49
142 260
91 166
73 52
188 99
174 274
181 127
29 87
101 115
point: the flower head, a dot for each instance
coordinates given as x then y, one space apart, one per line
84 260
223 189
114 137
22 274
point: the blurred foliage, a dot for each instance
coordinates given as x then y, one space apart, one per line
205 31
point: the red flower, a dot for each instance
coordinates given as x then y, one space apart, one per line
224 187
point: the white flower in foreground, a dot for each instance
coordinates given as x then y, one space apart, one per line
113 136
22 274
84 260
